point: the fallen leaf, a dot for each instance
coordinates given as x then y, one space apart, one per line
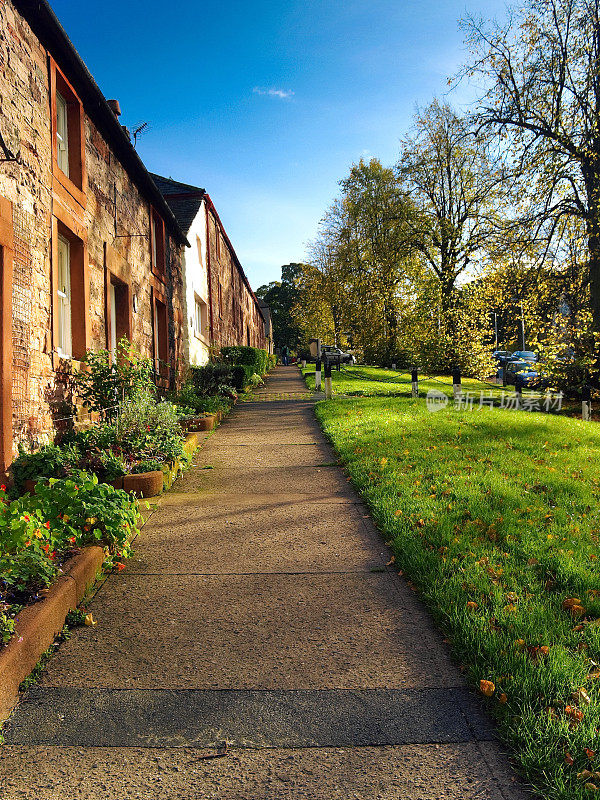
487 688
90 621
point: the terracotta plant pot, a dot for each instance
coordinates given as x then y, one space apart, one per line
206 423
146 484
29 485
116 483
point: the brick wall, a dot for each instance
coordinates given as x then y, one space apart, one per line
236 317
111 216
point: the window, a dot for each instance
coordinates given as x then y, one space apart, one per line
161 342
119 320
218 242
200 317
70 287
199 246
63 294
62 134
68 139
220 300
158 243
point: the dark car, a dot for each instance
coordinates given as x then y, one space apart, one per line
522 374
501 355
525 355
334 355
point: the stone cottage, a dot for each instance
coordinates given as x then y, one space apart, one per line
221 308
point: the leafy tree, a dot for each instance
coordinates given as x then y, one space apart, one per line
543 72
281 296
455 183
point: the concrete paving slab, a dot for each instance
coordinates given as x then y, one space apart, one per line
275 537
254 631
272 480
419 772
237 456
167 718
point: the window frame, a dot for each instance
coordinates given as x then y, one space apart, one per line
64 343
65 225
6 350
158 252
74 181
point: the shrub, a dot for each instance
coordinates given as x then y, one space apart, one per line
50 461
148 465
259 360
192 403
147 429
104 383
209 379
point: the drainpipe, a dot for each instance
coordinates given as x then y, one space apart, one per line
210 302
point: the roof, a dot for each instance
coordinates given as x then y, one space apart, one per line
183 199
51 34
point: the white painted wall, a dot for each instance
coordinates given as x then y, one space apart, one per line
195 278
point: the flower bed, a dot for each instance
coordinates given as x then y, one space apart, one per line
39 533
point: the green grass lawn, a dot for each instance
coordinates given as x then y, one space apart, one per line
494 516
372 381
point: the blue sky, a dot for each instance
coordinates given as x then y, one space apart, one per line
266 104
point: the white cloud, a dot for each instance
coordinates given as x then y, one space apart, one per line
282 94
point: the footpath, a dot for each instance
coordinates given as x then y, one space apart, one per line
258 610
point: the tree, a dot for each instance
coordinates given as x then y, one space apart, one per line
375 246
455 184
281 297
543 73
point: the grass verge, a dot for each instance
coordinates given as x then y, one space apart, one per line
494 516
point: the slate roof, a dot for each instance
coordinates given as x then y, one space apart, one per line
183 199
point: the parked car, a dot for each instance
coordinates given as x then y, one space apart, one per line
525 355
501 355
334 354
522 374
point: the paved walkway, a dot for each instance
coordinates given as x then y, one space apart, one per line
257 610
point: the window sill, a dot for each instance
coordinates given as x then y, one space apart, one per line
201 338
76 192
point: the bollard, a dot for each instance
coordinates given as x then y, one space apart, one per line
328 386
415 383
394 367
586 403
318 375
456 385
303 363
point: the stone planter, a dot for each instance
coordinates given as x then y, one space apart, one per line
38 624
116 483
206 423
146 484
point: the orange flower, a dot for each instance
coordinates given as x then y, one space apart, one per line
47 525
72 540
2 488
119 565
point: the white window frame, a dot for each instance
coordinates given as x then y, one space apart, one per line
64 345
198 316
62 134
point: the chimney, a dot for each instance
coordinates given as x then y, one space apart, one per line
114 107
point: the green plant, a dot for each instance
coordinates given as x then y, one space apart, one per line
50 461
147 429
148 465
253 357
83 511
192 402
207 380
106 381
